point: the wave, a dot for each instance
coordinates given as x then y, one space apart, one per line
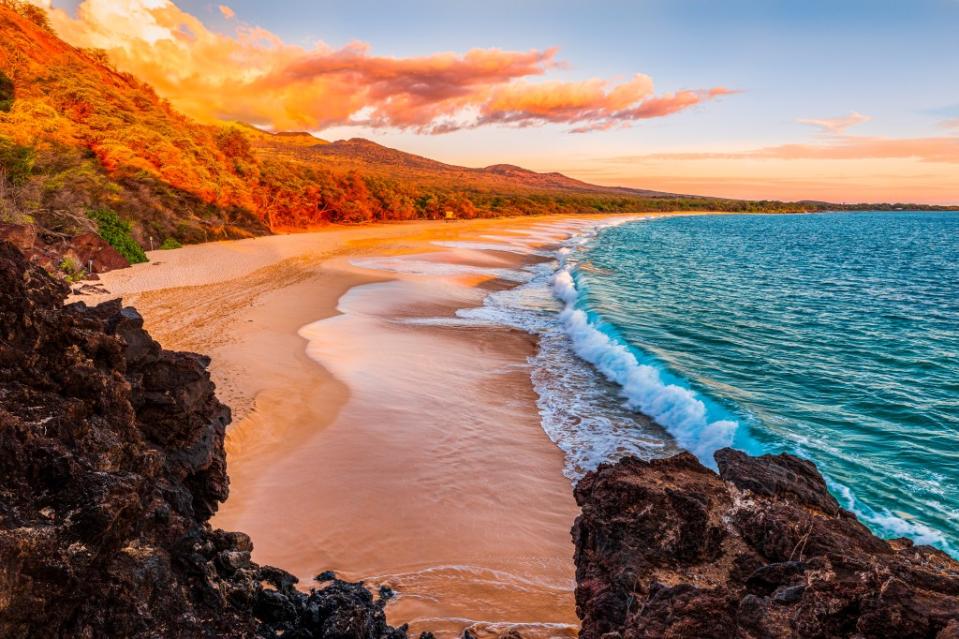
675 408
700 424
888 523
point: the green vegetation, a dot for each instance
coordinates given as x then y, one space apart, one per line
117 233
16 162
170 243
72 272
7 93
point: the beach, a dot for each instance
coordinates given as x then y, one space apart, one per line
371 436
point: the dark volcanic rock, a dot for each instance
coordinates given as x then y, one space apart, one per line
111 464
668 548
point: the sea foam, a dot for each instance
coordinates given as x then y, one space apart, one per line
675 408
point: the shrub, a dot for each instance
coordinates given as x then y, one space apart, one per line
7 93
170 243
117 233
16 162
234 144
72 272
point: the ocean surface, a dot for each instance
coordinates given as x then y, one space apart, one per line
832 336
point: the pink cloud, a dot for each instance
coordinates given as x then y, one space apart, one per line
591 105
837 126
254 76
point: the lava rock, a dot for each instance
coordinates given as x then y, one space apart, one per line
668 548
111 465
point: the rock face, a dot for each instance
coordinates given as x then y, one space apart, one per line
86 251
111 464
670 549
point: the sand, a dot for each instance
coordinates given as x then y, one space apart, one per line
397 452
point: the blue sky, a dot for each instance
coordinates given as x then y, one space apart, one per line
898 61
895 62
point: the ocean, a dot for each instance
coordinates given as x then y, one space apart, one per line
832 336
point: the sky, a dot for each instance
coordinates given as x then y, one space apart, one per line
842 100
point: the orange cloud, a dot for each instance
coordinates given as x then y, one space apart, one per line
589 103
254 76
837 126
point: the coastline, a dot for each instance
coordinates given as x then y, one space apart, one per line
318 479
761 510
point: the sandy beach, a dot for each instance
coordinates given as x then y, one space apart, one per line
370 437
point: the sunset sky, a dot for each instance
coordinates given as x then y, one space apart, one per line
838 100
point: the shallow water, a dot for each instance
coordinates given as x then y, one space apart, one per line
832 336
434 476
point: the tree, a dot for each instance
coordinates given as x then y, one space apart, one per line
7 93
16 161
36 15
234 144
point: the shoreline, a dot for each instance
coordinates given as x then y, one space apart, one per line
246 303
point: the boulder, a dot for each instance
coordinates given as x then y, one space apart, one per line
668 548
111 465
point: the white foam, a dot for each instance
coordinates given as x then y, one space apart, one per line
888 523
579 413
675 408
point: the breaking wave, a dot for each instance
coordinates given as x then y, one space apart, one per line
675 408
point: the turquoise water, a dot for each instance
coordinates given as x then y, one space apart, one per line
832 336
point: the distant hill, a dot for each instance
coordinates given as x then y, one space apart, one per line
374 158
81 142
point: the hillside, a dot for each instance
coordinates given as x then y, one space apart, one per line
77 136
375 159
87 149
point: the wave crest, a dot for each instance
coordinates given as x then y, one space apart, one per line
675 408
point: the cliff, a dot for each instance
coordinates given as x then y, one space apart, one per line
111 465
670 549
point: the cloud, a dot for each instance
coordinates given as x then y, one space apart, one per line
930 149
837 126
253 75
950 124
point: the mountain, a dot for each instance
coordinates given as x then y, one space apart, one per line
375 159
85 148
77 136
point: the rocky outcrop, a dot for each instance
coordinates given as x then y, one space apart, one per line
668 548
111 464
86 252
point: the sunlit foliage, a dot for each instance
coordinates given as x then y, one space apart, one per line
78 136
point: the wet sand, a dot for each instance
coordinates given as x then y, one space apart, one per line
401 453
